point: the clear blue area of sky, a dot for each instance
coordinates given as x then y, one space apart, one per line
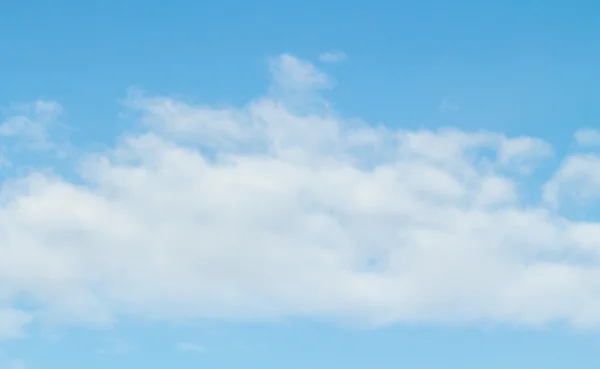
520 67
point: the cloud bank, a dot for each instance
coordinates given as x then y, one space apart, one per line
283 208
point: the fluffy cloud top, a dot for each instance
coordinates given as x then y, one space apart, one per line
284 209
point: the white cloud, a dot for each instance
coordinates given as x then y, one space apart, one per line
578 178
262 211
333 57
587 137
30 123
293 73
523 153
190 347
13 322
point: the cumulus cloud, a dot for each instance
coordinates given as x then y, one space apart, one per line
266 211
578 178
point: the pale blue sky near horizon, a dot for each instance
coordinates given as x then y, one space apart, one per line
518 67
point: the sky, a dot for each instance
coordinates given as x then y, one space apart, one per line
264 184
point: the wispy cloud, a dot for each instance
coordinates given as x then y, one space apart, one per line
447 106
115 346
31 123
14 364
587 137
13 323
333 57
190 347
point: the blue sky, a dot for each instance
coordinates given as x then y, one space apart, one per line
290 185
